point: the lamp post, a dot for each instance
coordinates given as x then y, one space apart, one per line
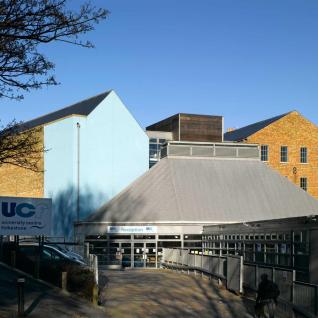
78 172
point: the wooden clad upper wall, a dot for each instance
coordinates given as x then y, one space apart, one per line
200 128
170 124
192 127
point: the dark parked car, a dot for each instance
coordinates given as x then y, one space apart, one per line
47 262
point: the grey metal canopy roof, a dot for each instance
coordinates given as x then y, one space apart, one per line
244 132
207 190
84 107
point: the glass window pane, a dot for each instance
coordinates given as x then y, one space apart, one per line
303 155
283 153
264 152
303 183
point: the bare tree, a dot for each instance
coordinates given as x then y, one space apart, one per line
27 24
20 146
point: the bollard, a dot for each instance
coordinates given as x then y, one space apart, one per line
20 290
86 251
64 280
95 259
13 259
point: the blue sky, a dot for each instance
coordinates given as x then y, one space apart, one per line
244 59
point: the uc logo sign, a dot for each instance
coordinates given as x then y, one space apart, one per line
24 210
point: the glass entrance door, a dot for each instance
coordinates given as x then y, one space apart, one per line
145 254
150 254
126 254
115 254
139 255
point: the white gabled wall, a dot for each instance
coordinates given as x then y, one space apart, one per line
114 151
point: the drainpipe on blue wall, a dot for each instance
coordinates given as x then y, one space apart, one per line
78 172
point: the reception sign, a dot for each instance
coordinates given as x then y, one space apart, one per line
25 216
132 229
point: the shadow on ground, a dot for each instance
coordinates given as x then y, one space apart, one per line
163 293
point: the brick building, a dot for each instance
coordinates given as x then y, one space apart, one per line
289 144
20 182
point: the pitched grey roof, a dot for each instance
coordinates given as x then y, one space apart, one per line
207 190
83 107
244 132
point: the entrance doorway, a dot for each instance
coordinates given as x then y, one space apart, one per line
120 254
145 254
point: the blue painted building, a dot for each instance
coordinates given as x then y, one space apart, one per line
95 149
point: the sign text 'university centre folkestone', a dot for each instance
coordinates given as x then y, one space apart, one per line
25 216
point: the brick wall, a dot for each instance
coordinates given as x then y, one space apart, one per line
17 181
293 131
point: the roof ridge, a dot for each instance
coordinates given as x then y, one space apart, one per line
256 125
69 106
83 107
267 119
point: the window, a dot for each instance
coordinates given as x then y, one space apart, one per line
193 237
283 154
264 152
303 155
303 183
169 237
144 237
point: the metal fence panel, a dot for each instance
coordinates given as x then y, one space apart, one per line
305 296
249 275
225 151
234 273
222 267
202 151
191 260
198 260
179 257
179 150
214 265
206 263
248 153
184 257
284 281
232 268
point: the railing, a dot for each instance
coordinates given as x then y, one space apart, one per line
302 296
211 150
182 258
284 278
305 296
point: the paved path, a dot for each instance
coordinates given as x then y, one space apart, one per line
130 293
163 293
41 301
